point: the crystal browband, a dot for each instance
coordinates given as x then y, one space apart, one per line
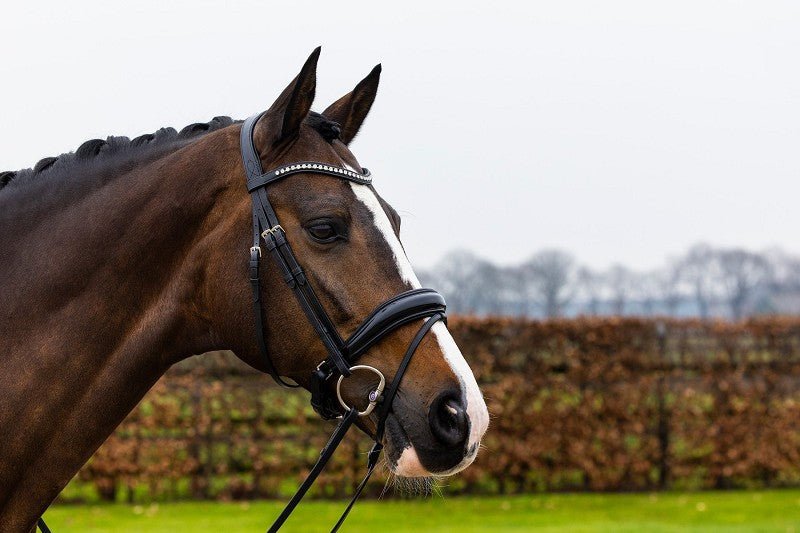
266 178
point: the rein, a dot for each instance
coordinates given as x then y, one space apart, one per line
343 354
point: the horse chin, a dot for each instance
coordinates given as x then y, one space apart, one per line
409 465
401 455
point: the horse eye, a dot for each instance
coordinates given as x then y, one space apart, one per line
322 232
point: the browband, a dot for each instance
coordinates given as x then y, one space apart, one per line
308 166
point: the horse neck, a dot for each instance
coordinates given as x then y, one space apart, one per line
99 300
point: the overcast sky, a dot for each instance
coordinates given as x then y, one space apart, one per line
621 131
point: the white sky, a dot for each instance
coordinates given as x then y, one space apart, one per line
621 131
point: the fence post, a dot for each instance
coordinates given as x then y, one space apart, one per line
197 483
662 430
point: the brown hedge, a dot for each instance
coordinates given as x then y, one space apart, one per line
583 404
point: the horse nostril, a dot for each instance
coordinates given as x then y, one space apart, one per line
448 419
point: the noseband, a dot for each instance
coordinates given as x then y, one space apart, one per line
343 355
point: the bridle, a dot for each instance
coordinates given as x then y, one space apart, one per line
343 354
406 307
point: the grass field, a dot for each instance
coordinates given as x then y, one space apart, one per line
777 510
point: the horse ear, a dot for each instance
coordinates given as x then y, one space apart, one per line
351 109
292 106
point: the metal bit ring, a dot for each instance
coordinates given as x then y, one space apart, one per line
374 396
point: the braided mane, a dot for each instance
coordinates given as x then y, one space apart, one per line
123 149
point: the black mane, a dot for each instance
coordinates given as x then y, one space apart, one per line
122 149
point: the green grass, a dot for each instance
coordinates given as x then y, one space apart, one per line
777 510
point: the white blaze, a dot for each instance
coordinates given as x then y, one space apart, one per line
368 198
476 406
408 464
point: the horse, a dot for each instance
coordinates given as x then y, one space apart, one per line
127 256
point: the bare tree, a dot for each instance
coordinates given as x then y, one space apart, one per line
590 286
646 291
619 281
783 294
792 276
698 269
551 277
513 291
550 281
487 288
741 274
470 284
785 270
669 282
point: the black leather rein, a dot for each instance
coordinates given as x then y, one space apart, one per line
343 354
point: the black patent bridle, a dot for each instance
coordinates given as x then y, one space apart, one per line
343 354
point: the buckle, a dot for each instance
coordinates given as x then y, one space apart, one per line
374 396
255 249
272 231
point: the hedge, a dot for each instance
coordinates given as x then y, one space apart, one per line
582 404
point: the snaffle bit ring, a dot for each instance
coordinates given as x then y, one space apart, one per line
373 397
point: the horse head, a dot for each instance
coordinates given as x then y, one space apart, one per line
346 238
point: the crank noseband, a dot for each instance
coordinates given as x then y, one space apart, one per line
341 361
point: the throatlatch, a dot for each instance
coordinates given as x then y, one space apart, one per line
343 354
